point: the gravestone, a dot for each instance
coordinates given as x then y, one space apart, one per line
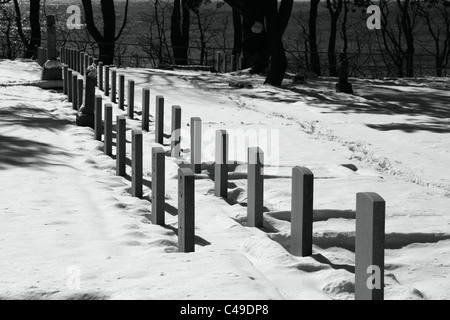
255 187
80 93
75 92
121 92
137 167
108 131
159 124
86 114
98 131
158 185
52 69
218 61
186 210
65 80
175 138
121 145
86 62
221 165
114 86
100 75
302 212
82 64
145 109
130 99
69 85
369 246
343 85
106 81
196 144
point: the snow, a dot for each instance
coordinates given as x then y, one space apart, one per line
62 208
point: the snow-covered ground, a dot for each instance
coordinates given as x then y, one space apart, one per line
63 210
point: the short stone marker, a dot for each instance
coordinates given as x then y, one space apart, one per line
175 138
98 130
121 145
86 62
82 64
130 99
221 165
136 169
121 92
159 124
69 85
145 109
218 61
224 67
302 212
233 63
186 210
369 246
106 81
75 95
158 185
196 144
80 93
114 86
108 130
255 187
100 75
65 80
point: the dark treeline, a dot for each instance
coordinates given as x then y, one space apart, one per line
272 36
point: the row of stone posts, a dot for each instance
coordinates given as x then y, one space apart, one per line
225 62
370 207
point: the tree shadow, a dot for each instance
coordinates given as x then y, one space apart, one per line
21 152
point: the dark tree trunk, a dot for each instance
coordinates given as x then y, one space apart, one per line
237 26
332 60
276 22
35 7
106 42
180 32
315 58
255 44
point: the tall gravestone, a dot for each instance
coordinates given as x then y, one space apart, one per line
255 187
369 246
343 85
221 165
186 210
302 211
86 114
52 69
196 144
158 185
175 138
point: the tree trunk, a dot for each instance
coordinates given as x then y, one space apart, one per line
237 26
315 58
332 60
35 7
180 32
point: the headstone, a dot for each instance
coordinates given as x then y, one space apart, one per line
80 94
52 69
100 75
158 185
69 85
369 246
186 210
224 66
255 187
302 212
196 144
343 85
65 80
86 62
98 131
108 130
121 145
86 114
159 124
75 95
136 176
218 61
114 86
82 65
107 81
145 109
130 99
221 165
121 92
175 139
233 63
